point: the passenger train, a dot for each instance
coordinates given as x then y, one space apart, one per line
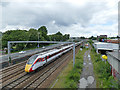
41 59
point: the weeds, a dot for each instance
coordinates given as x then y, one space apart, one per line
102 72
74 75
70 76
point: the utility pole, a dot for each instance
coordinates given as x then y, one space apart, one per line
118 38
73 54
9 56
38 38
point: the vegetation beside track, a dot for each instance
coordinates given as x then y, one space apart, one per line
40 34
70 76
102 71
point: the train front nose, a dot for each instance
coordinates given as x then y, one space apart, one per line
27 67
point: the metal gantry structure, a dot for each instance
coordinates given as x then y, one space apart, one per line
10 42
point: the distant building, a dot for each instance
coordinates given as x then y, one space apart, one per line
102 37
113 41
114 61
86 45
75 38
102 47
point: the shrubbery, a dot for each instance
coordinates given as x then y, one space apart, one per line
102 72
74 75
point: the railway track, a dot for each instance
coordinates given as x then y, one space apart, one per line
12 70
24 79
39 80
9 73
8 69
6 64
33 80
47 82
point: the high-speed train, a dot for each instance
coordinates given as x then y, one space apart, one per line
40 59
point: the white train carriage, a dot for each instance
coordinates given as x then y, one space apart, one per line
40 59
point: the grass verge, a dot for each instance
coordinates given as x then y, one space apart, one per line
102 72
70 76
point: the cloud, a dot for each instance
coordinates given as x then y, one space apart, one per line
81 18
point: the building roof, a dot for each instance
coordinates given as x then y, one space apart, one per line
103 43
106 46
105 49
115 54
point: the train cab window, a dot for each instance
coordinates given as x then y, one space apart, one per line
32 59
38 60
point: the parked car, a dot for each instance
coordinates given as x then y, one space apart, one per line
22 52
43 47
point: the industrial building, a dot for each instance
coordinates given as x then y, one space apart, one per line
99 38
113 41
102 47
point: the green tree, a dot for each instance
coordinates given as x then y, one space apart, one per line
59 33
93 38
66 37
33 34
43 29
43 33
14 35
59 37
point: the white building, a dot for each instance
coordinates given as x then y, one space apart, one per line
102 46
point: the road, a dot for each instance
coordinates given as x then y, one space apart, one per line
4 58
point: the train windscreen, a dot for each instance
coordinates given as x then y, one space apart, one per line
32 59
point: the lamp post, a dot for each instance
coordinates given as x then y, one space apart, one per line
38 38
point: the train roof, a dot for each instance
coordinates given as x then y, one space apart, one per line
41 55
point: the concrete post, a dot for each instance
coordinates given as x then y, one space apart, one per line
73 54
9 58
38 38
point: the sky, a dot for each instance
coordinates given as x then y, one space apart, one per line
74 17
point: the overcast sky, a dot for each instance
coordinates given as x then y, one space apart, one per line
74 17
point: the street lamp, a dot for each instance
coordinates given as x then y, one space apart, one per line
38 38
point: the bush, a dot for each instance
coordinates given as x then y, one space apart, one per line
74 75
71 84
102 71
81 46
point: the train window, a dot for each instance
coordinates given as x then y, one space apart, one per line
38 60
32 59
46 58
43 59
